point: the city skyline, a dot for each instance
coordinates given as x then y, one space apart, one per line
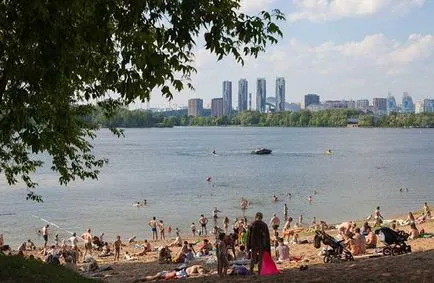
277 103
350 50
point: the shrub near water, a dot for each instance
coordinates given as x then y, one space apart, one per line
18 269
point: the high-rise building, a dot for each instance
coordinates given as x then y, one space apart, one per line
380 105
227 98
310 99
407 105
280 94
418 107
261 94
351 104
216 107
428 105
362 104
391 104
195 107
250 101
242 95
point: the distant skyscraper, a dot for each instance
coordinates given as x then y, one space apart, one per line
310 99
280 94
391 104
362 104
227 98
428 105
418 107
380 105
216 107
250 101
195 107
407 103
261 94
242 95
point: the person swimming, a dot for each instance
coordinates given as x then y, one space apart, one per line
275 198
208 179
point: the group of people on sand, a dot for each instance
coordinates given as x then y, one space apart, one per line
359 239
245 241
158 226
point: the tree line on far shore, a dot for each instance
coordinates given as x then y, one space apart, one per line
125 118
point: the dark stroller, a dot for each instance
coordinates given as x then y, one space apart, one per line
394 241
338 252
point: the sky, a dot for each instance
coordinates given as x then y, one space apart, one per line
338 49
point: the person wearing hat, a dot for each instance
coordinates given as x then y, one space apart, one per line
258 241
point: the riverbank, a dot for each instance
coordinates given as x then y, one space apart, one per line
417 266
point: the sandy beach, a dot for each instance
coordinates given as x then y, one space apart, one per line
371 267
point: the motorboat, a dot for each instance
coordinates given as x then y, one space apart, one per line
262 150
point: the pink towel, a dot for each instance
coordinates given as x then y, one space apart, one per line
268 265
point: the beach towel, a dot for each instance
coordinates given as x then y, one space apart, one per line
295 258
268 265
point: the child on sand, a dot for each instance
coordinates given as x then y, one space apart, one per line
117 247
378 217
193 229
161 227
426 210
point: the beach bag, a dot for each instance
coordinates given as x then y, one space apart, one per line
268 265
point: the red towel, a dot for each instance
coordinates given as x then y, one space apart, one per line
268 265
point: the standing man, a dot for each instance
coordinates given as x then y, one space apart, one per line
203 221
258 241
74 246
153 224
275 222
45 235
87 237
285 211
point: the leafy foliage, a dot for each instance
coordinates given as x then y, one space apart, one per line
59 58
19 269
328 118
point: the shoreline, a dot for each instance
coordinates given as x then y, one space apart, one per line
146 231
369 268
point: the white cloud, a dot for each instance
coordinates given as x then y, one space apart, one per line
374 52
365 68
251 6
326 10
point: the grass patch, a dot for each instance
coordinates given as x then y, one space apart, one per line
19 269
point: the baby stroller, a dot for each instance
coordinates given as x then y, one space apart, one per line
394 241
338 252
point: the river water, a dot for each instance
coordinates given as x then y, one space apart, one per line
169 167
